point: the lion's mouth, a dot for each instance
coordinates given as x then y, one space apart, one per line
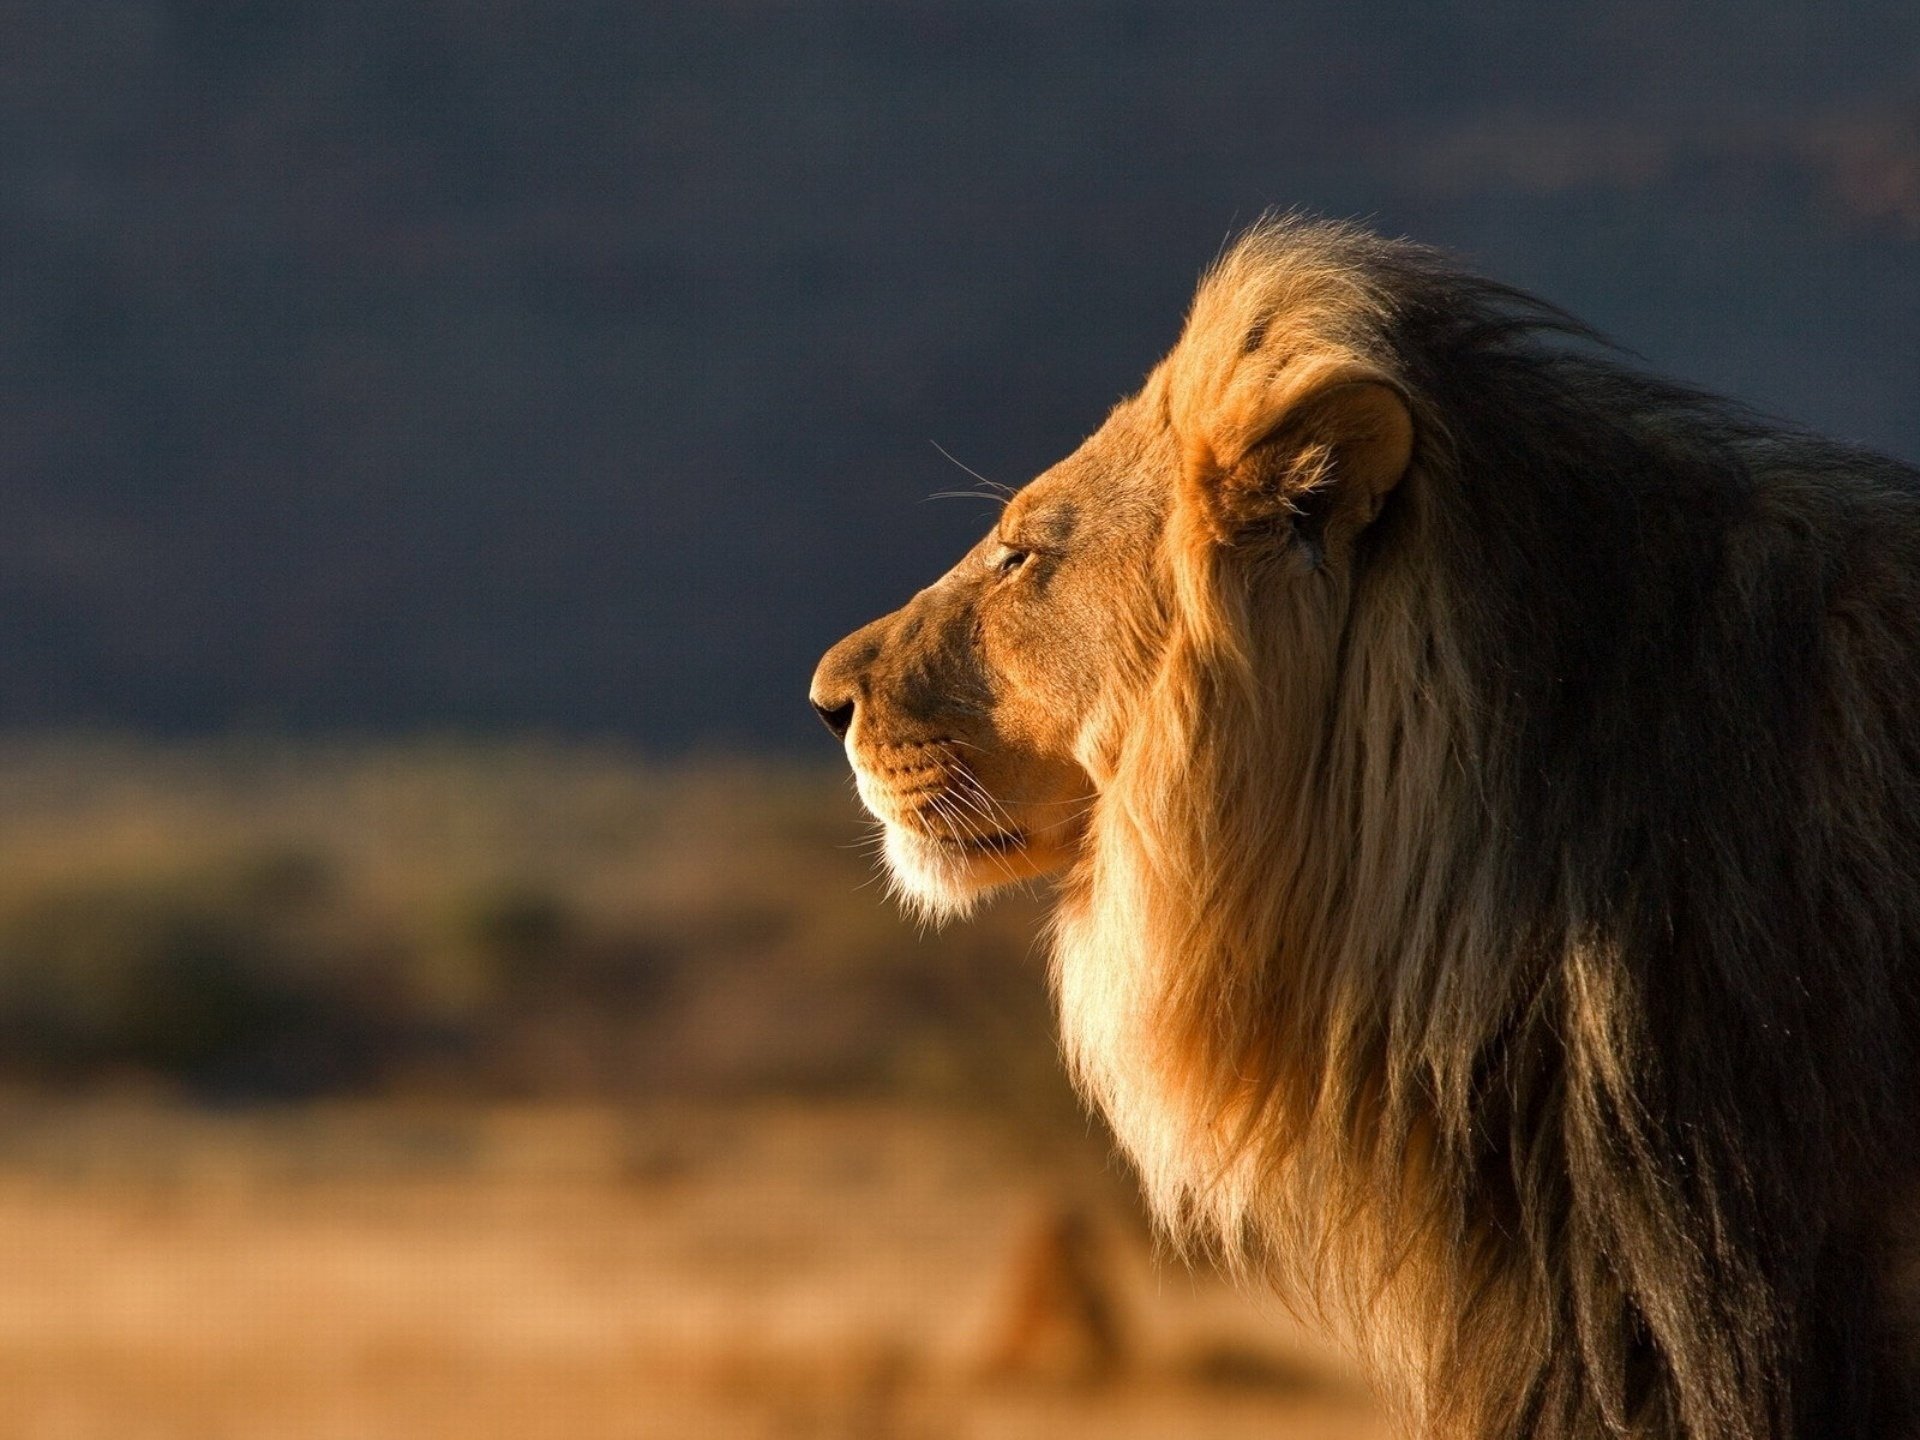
943 820
995 842
947 846
998 843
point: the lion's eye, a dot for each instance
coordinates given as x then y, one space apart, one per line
1008 559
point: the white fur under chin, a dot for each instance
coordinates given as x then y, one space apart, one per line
936 882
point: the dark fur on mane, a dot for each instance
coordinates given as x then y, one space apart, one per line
1694 640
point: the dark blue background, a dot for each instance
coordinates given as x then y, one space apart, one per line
390 364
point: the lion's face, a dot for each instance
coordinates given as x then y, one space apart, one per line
983 718
974 716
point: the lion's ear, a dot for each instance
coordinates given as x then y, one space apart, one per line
1323 452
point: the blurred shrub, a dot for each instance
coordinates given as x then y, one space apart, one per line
198 979
246 919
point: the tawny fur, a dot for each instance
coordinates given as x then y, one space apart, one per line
1496 918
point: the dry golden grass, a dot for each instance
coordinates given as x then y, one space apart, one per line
766 1270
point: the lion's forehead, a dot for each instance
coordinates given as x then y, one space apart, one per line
1120 477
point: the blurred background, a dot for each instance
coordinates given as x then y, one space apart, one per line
442 987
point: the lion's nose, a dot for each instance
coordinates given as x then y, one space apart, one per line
837 718
841 679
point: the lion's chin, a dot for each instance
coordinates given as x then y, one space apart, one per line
942 879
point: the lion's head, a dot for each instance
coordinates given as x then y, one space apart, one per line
1482 783
983 719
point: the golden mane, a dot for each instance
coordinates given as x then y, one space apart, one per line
1509 942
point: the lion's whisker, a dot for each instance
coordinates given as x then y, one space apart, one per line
1000 492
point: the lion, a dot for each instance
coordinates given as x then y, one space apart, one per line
1482 783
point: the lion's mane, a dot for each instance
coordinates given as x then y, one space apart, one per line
1509 939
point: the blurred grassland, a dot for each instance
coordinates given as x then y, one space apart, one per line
256 919
386 1091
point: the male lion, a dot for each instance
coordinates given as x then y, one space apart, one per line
1485 783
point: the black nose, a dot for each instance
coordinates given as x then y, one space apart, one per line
837 718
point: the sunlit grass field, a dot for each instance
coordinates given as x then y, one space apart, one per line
461 1089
